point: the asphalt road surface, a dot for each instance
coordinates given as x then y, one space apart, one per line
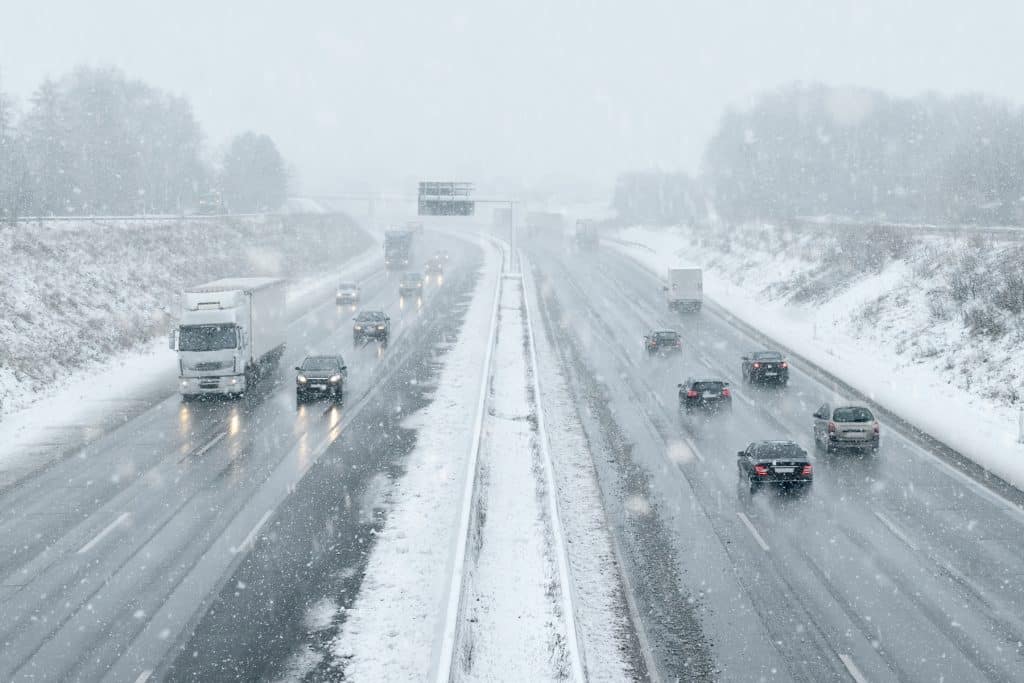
895 567
110 556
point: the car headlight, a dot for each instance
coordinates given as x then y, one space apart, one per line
419 284
335 379
301 379
359 327
380 327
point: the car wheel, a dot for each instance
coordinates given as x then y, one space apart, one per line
753 487
829 449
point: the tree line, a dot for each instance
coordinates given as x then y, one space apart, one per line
814 150
95 142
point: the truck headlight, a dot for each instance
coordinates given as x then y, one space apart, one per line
301 379
335 379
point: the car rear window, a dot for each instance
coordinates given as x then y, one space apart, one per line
778 450
667 336
852 414
767 355
708 386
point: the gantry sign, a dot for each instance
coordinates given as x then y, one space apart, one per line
446 199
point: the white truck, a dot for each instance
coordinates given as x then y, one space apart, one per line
685 289
231 331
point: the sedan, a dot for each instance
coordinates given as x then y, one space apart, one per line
778 463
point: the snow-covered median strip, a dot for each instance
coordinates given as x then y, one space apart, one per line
921 394
393 630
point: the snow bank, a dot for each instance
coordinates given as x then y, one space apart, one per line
896 330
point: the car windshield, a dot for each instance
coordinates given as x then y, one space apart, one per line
778 450
767 355
207 337
369 316
412 277
347 285
852 414
320 363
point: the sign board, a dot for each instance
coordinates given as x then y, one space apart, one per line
446 199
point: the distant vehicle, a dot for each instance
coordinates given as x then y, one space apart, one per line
211 204
685 289
548 222
415 227
765 367
709 395
398 249
371 325
231 331
782 463
348 294
320 376
661 341
443 255
586 234
846 427
410 285
435 266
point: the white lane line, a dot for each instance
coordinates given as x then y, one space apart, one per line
101 535
753 531
210 444
251 537
144 676
895 530
855 673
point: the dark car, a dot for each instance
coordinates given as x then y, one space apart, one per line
711 395
435 267
782 463
371 325
662 341
411 284
846 427
762 367
320 376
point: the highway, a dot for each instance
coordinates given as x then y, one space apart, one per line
109 559
892 568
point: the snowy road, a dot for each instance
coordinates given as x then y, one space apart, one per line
895 568
108 557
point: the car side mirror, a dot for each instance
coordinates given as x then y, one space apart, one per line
344 368
298 369
740 454
725 384
818 415
664 288
745 358
680 386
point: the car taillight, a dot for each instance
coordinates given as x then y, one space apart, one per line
678 343
831 427
876 427
807 471
761 470
725 392
691 394
783 364
757 365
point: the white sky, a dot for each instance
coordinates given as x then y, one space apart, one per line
373 92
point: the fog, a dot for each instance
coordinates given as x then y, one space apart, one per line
374 94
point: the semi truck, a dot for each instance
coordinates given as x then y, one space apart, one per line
230 333
397 249
685 289
586 234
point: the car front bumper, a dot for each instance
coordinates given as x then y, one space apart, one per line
224 385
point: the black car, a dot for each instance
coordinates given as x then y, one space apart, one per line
764 367
434 267
411 284
711 395
371 325
662 341
782 463
320 376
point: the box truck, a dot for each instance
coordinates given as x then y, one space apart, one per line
230 333
685 289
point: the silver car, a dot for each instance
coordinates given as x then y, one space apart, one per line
849 426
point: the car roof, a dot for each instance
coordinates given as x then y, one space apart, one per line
850 404
664 332
371 314
321 356
347 284
410 275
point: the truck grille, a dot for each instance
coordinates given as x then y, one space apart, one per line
210 365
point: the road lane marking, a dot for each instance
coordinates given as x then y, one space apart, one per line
202 449
101 535
753 531
895 530
251 537
855 673
144 676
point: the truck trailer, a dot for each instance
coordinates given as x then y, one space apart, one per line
586 234
230 333
685 289
398 249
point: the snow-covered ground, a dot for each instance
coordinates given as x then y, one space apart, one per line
393 629
925 327
87 398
